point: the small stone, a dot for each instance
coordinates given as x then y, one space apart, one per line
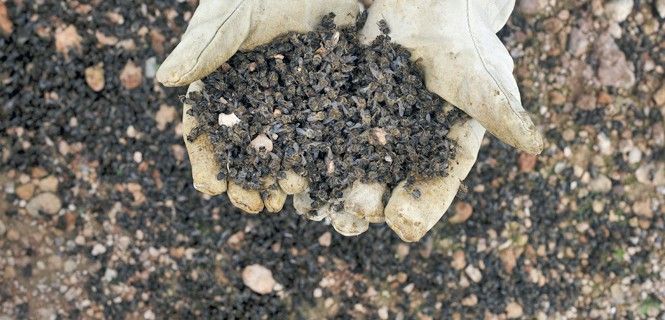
165 115
634 155
552 25
644 223
643 174
526 162
149 315
105 40
127 44
137 157
235 240
618 10
605 145
474 273
459 260
49 184
131 76
604 98
614 69
601 184
262 141
383 313
568 134
557 98
597 206
109 275
38 172
403 250
402 277
329 303
157 41
318 293
463 212
586 102
514 310
379 136
582 227
150 67
25 191
659 96
94 77
578 43
13 235
6 25
228 120
70 265
508 259
258 278
532 7
470 301
115 17
98 249
3 228
643 209
67 38
660 7
46 202
325 239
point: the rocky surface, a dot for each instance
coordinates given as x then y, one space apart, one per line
575 233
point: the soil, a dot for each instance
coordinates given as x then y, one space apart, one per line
335 111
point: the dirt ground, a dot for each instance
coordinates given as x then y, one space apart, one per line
99 219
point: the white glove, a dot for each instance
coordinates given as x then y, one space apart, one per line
463 60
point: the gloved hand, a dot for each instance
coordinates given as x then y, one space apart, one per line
463 60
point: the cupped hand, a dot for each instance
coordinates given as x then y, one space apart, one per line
463 61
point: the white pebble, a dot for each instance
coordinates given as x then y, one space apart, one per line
149 315
109 275
473 273
98 249
261 142
138 157
635 155
228 120
618 10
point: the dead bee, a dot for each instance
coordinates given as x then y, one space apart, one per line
383 26
415 193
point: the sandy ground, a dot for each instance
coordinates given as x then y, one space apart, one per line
98 218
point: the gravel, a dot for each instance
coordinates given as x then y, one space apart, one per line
328 108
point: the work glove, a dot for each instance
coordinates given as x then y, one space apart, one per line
463 61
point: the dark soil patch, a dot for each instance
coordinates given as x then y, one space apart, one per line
335 111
